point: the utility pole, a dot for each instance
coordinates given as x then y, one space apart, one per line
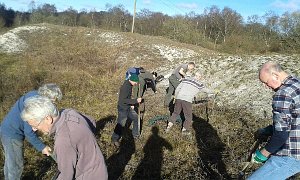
134 10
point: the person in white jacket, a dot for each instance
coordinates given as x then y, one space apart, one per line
184 95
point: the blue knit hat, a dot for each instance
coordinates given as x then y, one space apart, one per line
134 78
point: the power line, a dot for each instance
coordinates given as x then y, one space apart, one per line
169 3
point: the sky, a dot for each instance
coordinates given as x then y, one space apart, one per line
171 7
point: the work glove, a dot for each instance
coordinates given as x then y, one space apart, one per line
264 133
258 157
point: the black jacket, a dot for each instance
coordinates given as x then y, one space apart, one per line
125 100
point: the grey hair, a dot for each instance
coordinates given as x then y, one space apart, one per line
37 108
270 67
197 74
51 91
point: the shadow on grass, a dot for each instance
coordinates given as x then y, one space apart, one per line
100 124
210 150
117 162
150 166
47 169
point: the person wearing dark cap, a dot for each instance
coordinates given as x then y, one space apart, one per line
133 70
126 109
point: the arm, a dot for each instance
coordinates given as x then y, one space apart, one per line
125 97
66 158
32 137
181 72
153 85
178 89
131 101
149 78
281 118
277 140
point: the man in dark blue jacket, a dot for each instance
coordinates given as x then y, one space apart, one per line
14 130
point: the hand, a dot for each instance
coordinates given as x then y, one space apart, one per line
47 151
139 100
258 157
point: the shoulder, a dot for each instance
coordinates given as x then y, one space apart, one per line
184 66
290 86
30 94
192 81
70 114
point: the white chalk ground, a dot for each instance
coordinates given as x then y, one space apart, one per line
233 78
10 42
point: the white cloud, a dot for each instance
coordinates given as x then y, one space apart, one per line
147 1
188 5
290 5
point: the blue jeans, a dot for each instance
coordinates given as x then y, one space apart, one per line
277 168
122 118
13 153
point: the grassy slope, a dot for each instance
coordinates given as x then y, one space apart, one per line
90 71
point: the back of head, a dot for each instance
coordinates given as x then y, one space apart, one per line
37 108
198 75
270 66
134 78
51 90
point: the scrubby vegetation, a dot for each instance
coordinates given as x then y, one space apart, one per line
89 65
218 29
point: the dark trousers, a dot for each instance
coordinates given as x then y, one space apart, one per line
186 107
123 115
173 83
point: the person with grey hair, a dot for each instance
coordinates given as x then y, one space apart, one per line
52 91
14 130
77 153
281 154
184 95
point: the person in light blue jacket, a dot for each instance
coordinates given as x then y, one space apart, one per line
14 130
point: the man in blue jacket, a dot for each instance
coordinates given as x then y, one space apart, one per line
14 130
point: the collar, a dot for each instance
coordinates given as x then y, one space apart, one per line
57 123
288 77
283 82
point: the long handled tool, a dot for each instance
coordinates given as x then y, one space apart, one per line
248 164
139 110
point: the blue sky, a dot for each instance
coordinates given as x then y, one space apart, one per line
171 7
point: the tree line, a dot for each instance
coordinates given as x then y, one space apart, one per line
219 29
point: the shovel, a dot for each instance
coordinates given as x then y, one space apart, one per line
249 163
